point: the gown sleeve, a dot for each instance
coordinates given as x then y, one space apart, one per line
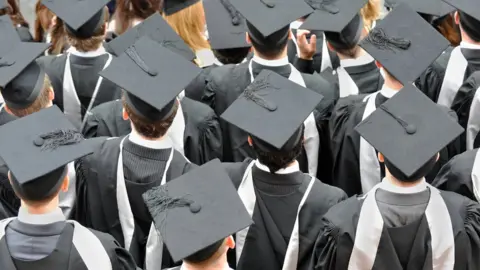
210 138
91 126
431 80
120 258
472 228
196 88
325 252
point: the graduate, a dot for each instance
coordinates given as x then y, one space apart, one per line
198 228
444 77
36 149
74 75
403 222
226 35
268 32
195 130
112 180
402 57
285 203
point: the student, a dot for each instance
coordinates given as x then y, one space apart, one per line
403 222
74 75
198 228
272 187
111 181
268 32
36 149
356 170
129 13
196 131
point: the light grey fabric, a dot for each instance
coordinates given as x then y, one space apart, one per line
401 209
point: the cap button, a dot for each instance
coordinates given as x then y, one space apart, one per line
411 129
39 141
195 208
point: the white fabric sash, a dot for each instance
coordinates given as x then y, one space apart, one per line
154 248
453 79
246 191
177 130
312 138
67 199
71 103
370 227
369 165
473 124
476 176
347 85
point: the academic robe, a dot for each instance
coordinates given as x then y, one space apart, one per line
24 33
196 88
406 247
202 136
97 201
347 114
227 83
267 239
9 203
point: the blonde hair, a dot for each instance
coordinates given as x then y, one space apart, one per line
189 23
370 13
43 21
127 11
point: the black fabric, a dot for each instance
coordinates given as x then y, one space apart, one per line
196 88
24 34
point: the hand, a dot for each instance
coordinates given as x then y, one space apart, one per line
307 48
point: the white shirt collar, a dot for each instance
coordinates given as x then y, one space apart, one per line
388 186
293 168
388 92
362 60
135 138
468 45
97 52
295 24
271 63
48 218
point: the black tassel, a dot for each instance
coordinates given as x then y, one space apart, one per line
252 93
382 41
133 54
6 63
57 138
232 12
409 128
268 3
325 5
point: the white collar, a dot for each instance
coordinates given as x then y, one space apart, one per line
295 24
354 62
271 63
468 45
135 138
388 92
293 168
42 219
97 52
388 186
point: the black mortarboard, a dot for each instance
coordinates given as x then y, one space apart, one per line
429 7
157 29
404 53
9 35
197 210
269 16
409 129
3 4
349 37
469 16
226 26
332 15
36 149
272 109
82 17
152 76
173 6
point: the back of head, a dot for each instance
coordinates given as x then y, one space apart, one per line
470 26
231 56
348 39
92 42
208 254
128 10
270 46
42 101
419 174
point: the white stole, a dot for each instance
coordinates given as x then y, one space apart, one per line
453 79
473 124
476 176
177 130
347 85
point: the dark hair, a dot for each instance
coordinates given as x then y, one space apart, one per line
93 42
148 128
270 46
420 173
205 253
447 27
231 56
127 10
470 25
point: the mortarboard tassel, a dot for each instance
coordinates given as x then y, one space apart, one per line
382 41
232 12
252 93
133 54
268 3
57 138
409 128
325 5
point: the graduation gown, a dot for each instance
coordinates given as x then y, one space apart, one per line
227 83
98 206
24 33
196 88
268 244
202 136
409 246
356 173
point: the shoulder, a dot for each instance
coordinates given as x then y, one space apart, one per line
197 112
53 64
107 108
348 105
236 170
107 147
329 194
344 215
226 75
457 167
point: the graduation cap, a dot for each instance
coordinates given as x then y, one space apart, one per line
332 15
82 17
226 26
269 16
3 4
157 29
409 129
36 149
152 76
9 35
197 211
404 53
469 15
272 109
429 7
173 6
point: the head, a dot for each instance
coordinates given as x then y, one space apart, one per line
91 43
211 256
44 21
370 13
272 47
392 171
231 56
58 37
390 80
147 128
447 27
128 10
346 42
469 27
13 10
189 23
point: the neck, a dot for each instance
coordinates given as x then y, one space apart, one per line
219 264
358 53
466 38
137 134
391 82
43 208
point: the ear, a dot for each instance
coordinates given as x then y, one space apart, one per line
230 243
381 158
456 17
66 182
51 94
438 157
378 64
290 34
125 114
10 177
330 47
250 142
247 37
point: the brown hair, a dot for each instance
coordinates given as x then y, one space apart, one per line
41 102
43 21
93 42
148 128
128 10
370 13
189 23
13 11
59 38
449 30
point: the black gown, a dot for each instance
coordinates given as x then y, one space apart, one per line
277 200
202 136
24 33
345 140
9 203
227 83
196 88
